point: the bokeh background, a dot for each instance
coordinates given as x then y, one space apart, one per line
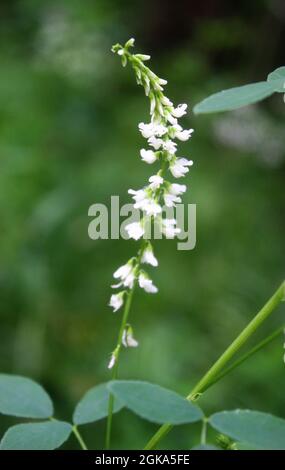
69 139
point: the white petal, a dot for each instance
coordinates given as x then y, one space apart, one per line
148 156
166 101
128 340
155 142
156 181
148 257
112 362
184 135
129 281
146 130
179 111
146 284
177 189
116 301
169 146
123 271
152 208
135 230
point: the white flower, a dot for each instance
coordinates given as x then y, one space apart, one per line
146 284
126 275
128 340
179 111
117 301
144 202
138 195
174 129
166 101
146 129
184 134
169 228
155 181
155 142
159 130
148 256
112 361
148 156
170 199
152 208
177 189
123 271
179 167
171 119
129 280
130 43
149 206
169 146
143 57
172 193
135 230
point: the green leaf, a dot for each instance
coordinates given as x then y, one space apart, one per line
155 403
23 397
277 79
205 447
254 428
36 436
234 98
94 405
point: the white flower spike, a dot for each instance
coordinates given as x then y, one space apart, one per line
161 133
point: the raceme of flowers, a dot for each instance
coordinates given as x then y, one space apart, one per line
161 134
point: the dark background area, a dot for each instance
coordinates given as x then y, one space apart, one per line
69 139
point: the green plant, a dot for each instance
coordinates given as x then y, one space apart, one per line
235 98
238 429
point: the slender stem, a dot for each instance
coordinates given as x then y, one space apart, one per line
217 367
204 432
116 366
79 438
247 355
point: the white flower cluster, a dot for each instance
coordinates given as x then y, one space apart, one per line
161 133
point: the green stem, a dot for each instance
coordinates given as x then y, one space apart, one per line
116 366
217 367
79 438
204 432
247 355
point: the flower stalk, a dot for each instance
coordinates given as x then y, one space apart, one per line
161 133
114 367
79 438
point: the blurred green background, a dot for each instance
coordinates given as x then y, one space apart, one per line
69 139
